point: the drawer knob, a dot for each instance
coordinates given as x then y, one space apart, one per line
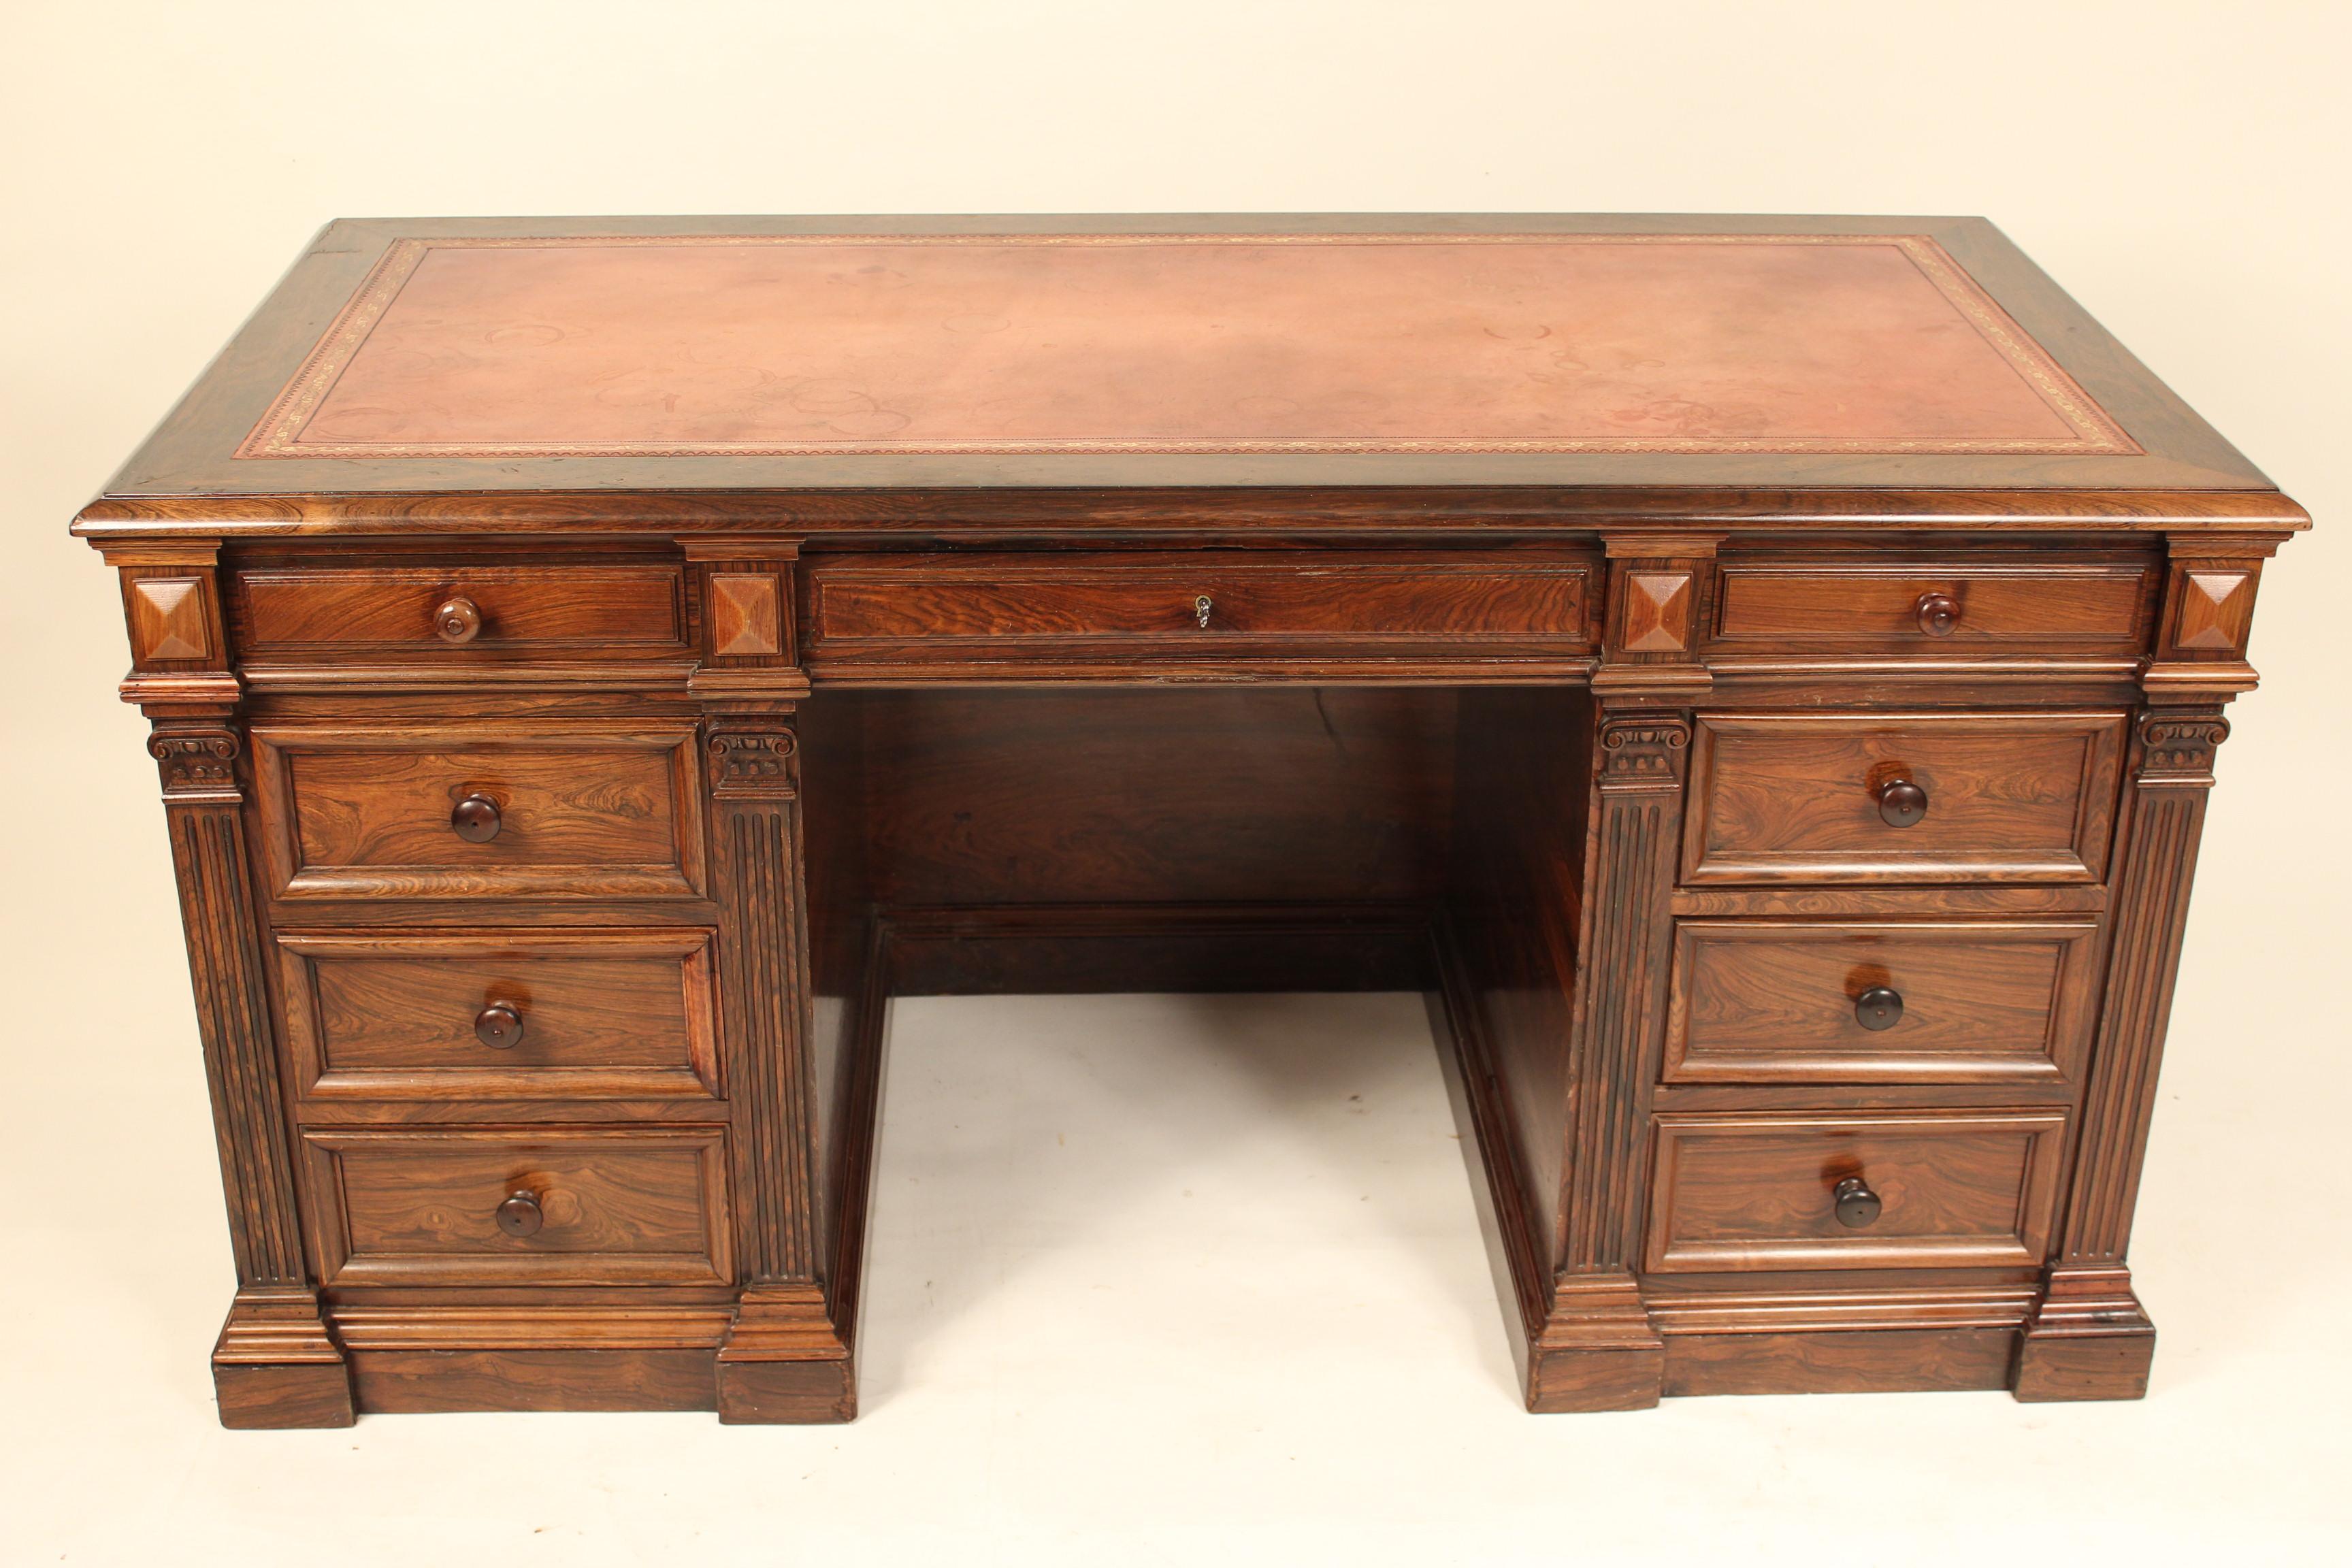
521 1216
459 619
1857 1206
1880 1007
499 1025
1200 608
1940 614
475 819
1901 803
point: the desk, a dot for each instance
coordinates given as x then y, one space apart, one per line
1760 678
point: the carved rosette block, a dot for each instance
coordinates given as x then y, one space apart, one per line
2089 1338
274 1364
1597 1350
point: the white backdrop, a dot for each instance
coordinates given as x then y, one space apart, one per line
2180 168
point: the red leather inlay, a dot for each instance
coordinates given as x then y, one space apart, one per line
1198 343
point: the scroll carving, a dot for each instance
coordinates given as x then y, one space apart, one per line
761 763
1644 751
2178 745
198 764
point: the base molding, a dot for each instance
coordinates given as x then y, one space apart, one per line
423 1381
274 1364
2090 1339
1595 1350
1852 1360
784 1361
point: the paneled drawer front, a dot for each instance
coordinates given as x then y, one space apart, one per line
520 1206
1934 611
1955 1189
1827 1000
1022 604
2011 798
508 1014
385 813
608 610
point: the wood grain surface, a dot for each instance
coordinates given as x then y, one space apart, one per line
1774 1001
1739 1193
355 813
2022 798
374 1015
623 1206
614 608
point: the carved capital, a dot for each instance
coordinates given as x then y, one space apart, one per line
1649 750
2178 743
198 763
762 762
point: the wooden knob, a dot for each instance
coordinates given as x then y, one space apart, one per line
521 1216
1939 614
499 1025
457 619
475 819
1901 803
1857 1206
1880 1007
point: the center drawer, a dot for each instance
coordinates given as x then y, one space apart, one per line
488 812
1207 604
1902 797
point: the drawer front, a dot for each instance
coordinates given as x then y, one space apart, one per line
1972 1189
2018 798
1935 610
1825 1001
604 1206
358 814
614 611
517 1015
1025 603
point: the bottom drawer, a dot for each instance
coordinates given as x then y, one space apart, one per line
1951 1189
520 1206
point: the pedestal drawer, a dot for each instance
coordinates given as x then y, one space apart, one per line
2001 797
520 1206
1861 1001
511 1014
495 812
1892 1189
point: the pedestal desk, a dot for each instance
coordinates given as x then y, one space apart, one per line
1760 677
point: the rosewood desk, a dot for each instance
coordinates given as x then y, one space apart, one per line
1759 676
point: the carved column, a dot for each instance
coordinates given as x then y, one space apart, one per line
274 1364
1597 1350
2089 1338
784 1359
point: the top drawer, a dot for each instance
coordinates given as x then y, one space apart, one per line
614 611
1209 605
1933 610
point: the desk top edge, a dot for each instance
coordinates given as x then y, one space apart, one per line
187 477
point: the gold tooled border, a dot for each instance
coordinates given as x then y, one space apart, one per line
279 433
